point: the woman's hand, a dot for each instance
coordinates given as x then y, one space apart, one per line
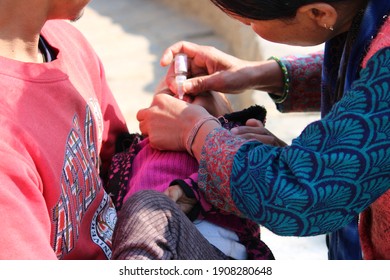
168 122
216 103
255 130
210 69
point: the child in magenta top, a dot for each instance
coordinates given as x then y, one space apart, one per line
140 167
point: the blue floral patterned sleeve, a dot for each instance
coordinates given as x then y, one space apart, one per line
335 169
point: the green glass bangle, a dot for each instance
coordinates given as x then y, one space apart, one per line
286 82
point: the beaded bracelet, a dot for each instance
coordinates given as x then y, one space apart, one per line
195 130
286 82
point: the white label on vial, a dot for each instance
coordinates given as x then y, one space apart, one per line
181 63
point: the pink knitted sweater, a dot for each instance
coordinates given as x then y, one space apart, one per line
155 169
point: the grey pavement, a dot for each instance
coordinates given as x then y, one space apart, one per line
130 36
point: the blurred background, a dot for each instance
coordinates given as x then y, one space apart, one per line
131 35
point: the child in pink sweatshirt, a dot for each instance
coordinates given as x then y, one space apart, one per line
140 167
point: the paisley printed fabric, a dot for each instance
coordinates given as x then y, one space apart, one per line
220 142
335 169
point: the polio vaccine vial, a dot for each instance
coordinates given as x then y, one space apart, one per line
181 71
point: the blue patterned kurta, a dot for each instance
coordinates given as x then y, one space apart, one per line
329 174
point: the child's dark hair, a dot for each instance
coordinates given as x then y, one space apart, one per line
265 9
239 118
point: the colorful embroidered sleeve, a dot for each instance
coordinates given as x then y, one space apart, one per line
335 169
303 83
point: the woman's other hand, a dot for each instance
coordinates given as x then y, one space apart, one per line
168 122
255 130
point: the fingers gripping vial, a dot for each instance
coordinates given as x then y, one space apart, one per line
181 69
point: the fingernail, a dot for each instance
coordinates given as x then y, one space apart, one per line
187 86
234 130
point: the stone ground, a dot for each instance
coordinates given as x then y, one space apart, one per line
130 36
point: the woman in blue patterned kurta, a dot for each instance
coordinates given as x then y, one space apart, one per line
339 165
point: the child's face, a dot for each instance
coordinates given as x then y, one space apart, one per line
215 103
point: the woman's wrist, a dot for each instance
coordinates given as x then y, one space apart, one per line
197 136
276 96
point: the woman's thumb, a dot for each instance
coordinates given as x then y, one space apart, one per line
197 85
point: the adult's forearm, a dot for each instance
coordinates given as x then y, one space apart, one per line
266 76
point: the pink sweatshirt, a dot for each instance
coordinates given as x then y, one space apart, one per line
58 122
